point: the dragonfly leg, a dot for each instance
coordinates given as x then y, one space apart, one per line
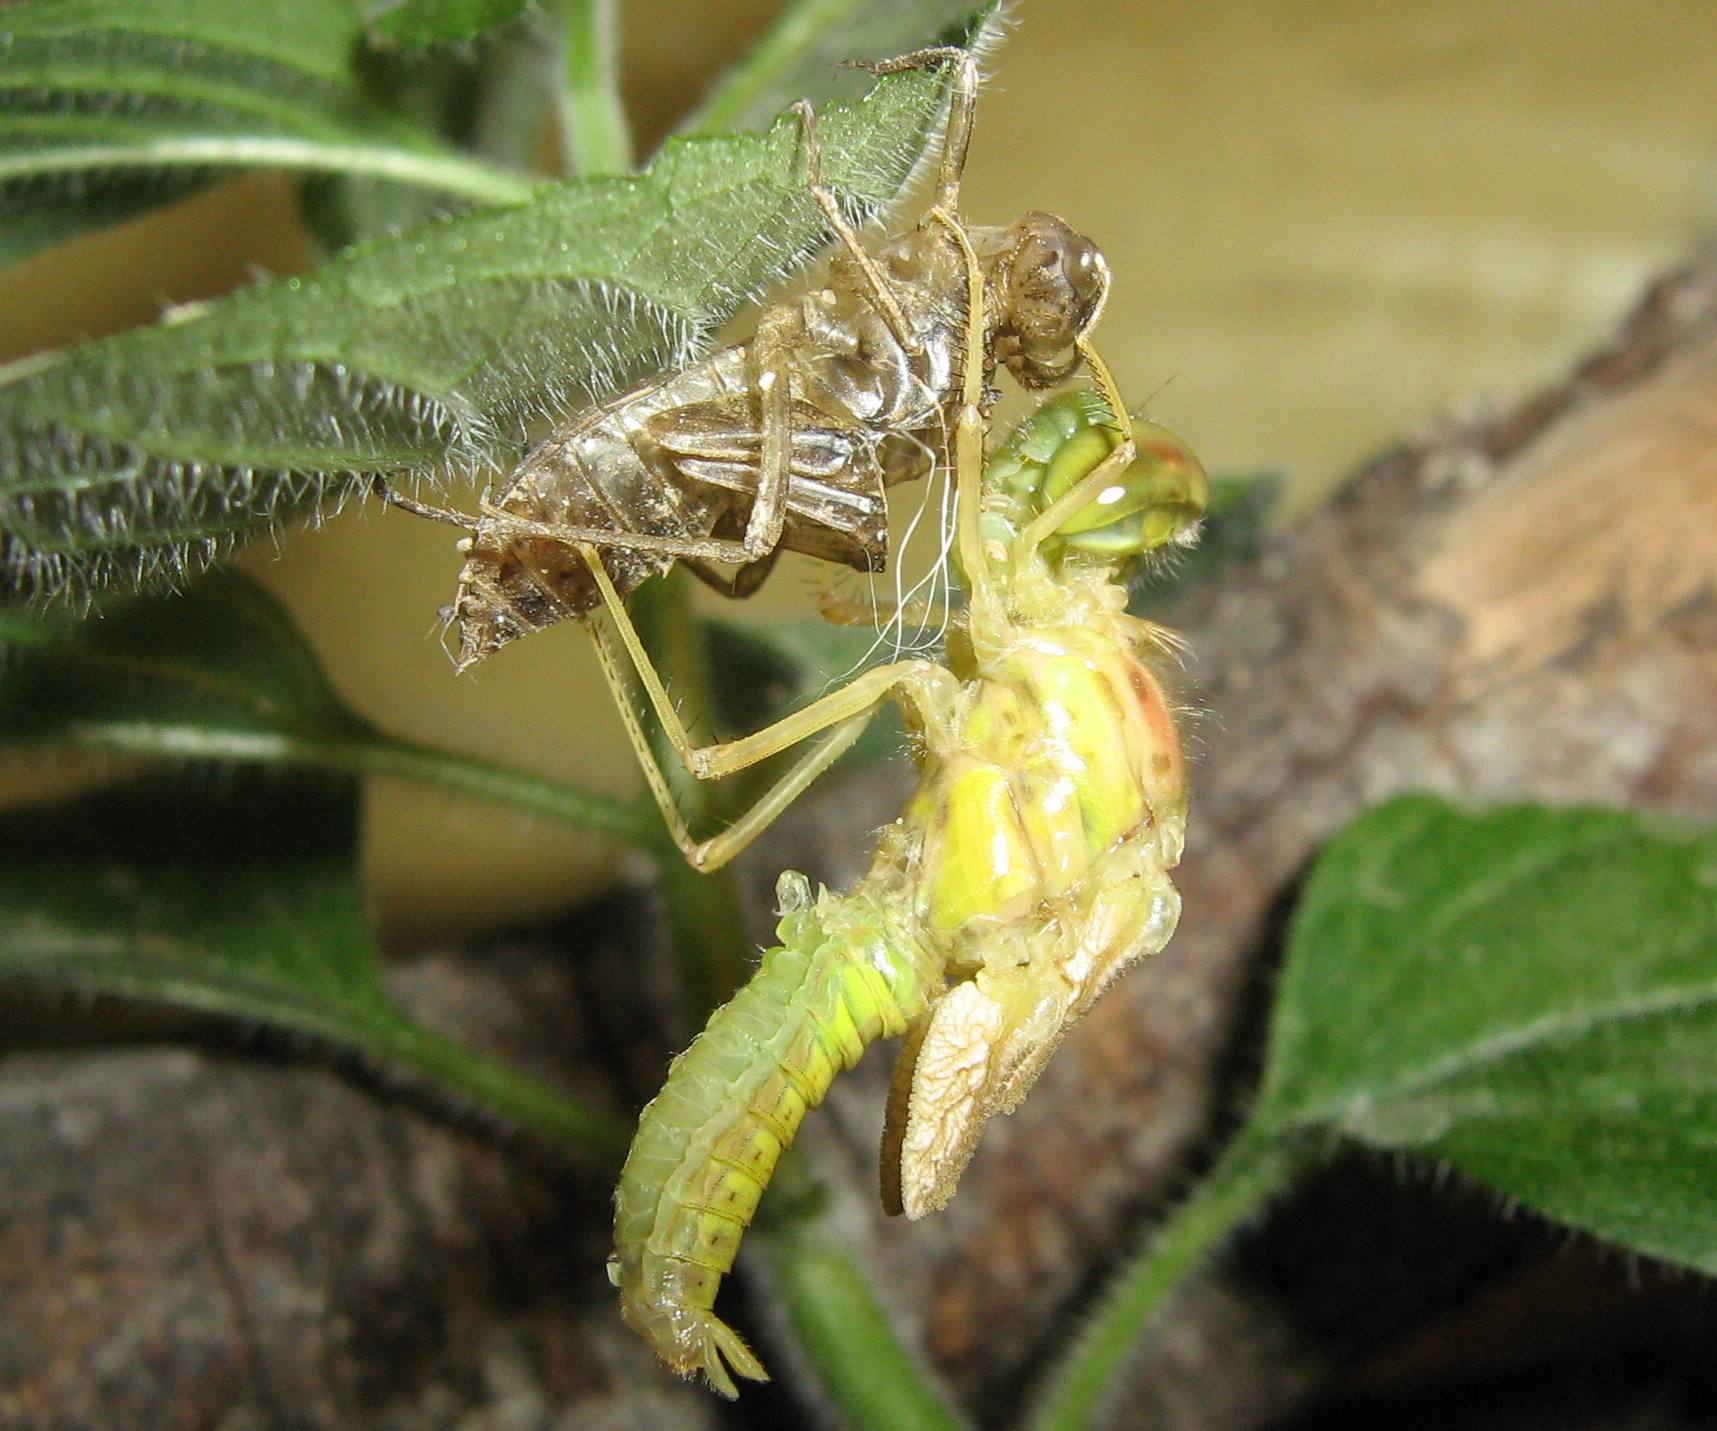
385 492
963 100
832 723
1084 491
504 524
968 444
882 292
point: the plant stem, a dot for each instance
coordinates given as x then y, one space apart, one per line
593 133
704 916
451 173
831 1306
368 751
500 1090
636 824
1253 1169
793 32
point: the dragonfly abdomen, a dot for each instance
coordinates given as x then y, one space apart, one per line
595 474
708 1143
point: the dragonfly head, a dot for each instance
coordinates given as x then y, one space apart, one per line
1156 502
1048 284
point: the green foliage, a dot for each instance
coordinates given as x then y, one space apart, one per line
137 457
222 674
1527 994
429 22
249 912
227 885
484 97
109 106
802 54
868 1376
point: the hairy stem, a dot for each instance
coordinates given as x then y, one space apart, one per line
593 133
829 1299
1250 1172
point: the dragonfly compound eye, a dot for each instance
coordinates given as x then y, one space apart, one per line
1156 502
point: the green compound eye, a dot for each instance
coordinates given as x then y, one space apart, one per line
1154 503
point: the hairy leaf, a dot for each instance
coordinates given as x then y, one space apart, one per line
147 454
239 900
222 674
107 106
1528 994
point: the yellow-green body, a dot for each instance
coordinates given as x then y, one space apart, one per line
709 1141
1030 866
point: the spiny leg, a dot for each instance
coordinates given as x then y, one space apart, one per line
956 140
968 445
384 492
718 849
963 99
1086 490
840 727
881 291
839 718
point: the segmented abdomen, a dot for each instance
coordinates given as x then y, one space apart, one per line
591 474
708 1143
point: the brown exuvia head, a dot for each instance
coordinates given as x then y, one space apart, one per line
1048 284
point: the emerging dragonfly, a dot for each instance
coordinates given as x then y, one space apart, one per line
1029 868
787 441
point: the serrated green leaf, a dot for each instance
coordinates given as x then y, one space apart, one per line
237 900
141 456
430 22
107 106
1528 994
221 673
801 54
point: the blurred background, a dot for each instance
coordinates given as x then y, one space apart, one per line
1328 222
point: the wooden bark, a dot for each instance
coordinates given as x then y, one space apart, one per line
1515 604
